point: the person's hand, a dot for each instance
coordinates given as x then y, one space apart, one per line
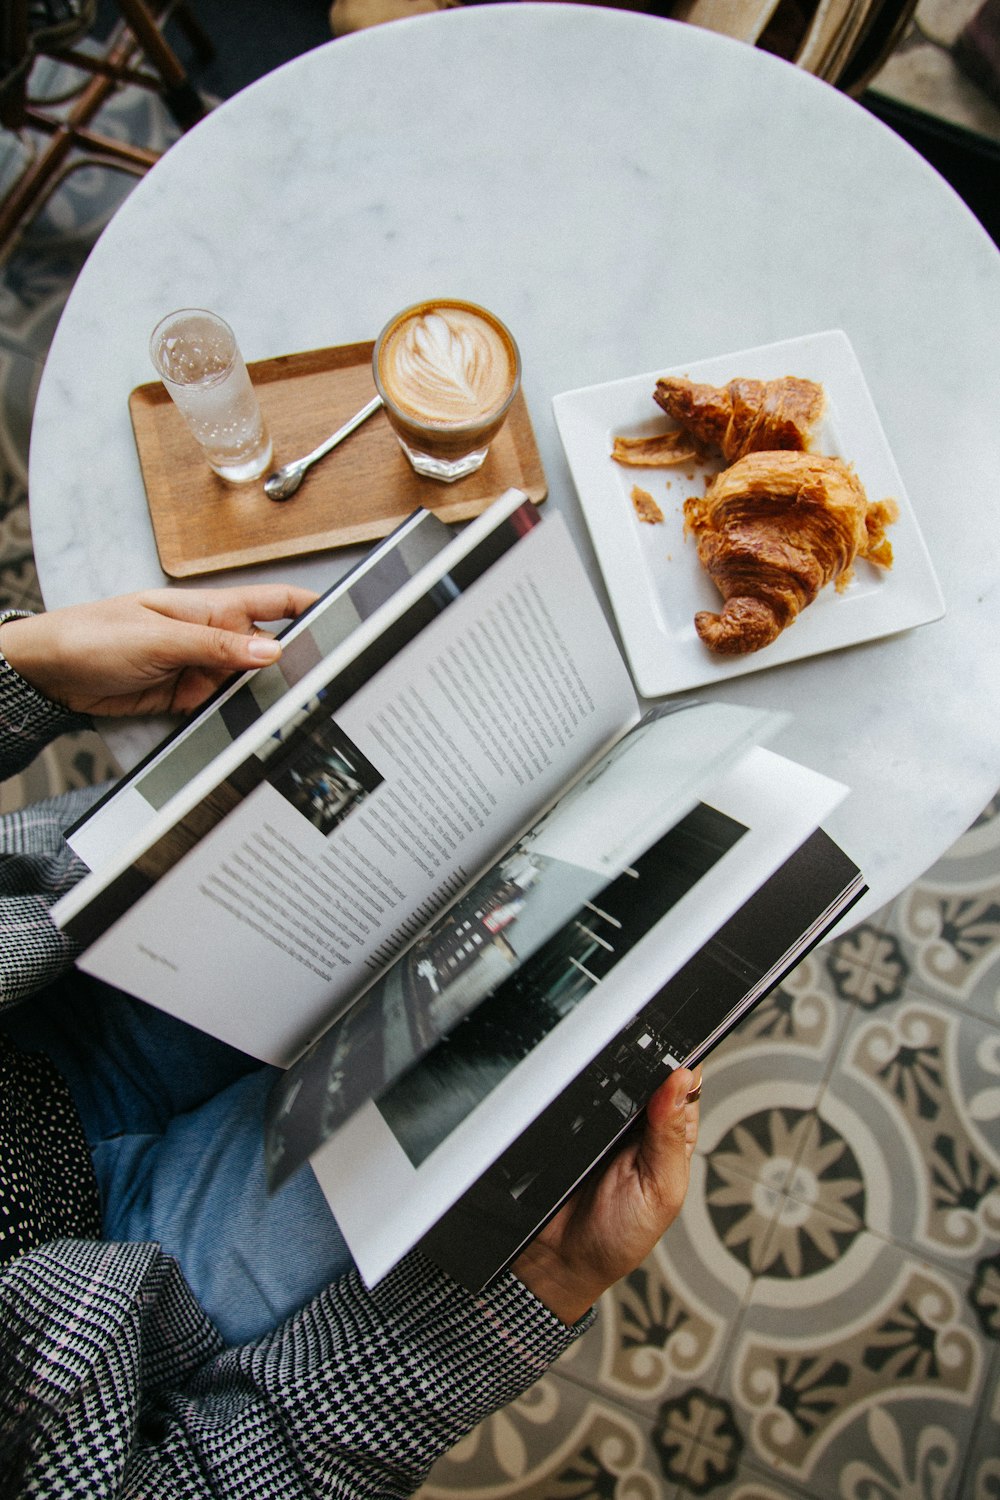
612 1223
163 650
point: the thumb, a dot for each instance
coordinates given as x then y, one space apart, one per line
667 1141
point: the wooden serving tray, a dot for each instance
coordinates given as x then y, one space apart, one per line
358 493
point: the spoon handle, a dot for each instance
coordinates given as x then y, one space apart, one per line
341 433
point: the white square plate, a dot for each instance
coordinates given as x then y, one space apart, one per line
653 576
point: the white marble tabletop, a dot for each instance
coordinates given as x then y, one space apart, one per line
627 193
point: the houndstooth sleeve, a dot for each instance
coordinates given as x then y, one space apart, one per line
36 864
128 1395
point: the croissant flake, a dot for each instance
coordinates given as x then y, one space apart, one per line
658 451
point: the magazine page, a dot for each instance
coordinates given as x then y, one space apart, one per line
773 929
128 808
549 877
373 819
437 1130
275 737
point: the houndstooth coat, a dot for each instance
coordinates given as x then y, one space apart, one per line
113 1382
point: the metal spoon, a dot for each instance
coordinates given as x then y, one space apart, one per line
285 481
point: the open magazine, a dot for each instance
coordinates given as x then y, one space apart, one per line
436 863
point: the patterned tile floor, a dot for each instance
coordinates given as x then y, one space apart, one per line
824 1319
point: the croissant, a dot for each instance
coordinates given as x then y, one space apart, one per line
745 416
772 530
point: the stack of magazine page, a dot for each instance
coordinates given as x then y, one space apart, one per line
439 866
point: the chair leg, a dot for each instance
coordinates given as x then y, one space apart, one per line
178 92
192 28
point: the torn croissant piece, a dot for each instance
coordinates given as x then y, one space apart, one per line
773 530
655 452
745 416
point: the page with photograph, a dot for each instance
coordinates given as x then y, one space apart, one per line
691 1013
129 806
381 807
550 877
436 1131
164 833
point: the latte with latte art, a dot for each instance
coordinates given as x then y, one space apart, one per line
447 363
447 372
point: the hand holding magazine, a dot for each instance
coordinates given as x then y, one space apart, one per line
439 866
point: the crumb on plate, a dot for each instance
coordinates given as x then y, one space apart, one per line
645 506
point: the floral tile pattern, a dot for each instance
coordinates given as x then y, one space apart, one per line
947 925
824 1319
667 1327
896 1372
929 1078
559 1442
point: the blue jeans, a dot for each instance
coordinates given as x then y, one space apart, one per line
174 1120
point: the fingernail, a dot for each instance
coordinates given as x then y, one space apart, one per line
263 648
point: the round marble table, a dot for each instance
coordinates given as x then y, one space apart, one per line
627 193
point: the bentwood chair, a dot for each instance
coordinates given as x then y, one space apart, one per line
59 136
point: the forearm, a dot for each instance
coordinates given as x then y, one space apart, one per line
28 720
569 1296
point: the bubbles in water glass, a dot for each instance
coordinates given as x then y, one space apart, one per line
197 357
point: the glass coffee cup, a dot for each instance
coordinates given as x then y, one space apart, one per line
447 372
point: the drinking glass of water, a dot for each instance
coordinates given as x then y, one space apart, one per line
196 355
